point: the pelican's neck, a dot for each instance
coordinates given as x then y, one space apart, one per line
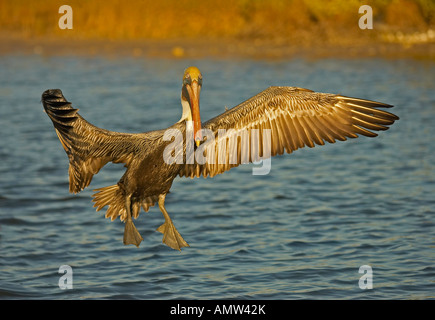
187 117
187 114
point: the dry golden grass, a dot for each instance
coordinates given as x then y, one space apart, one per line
166 19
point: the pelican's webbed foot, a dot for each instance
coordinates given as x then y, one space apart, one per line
171 237
131 235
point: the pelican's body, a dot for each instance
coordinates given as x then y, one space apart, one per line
294 118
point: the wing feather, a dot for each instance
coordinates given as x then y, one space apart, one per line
296 117
88 147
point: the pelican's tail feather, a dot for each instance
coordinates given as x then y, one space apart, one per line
111 196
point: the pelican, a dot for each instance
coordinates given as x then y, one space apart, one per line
291 117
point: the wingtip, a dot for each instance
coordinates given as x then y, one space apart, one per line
52 95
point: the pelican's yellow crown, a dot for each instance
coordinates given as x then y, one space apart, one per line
194 73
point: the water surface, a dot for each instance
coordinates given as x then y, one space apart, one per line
300 232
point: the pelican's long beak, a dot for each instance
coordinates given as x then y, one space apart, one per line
192 82
194 90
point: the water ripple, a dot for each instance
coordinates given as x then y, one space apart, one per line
301 232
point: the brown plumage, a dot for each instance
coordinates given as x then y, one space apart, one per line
294 117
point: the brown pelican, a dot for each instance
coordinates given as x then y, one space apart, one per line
291 117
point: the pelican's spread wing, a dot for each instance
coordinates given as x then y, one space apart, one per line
88 148
294 117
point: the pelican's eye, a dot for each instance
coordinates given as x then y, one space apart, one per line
200 81
187 79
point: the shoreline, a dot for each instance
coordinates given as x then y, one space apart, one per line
267 49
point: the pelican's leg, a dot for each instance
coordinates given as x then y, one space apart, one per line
171 237
131 235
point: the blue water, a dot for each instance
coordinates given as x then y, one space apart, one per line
300 232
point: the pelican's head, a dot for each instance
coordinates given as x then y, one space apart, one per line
192 82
